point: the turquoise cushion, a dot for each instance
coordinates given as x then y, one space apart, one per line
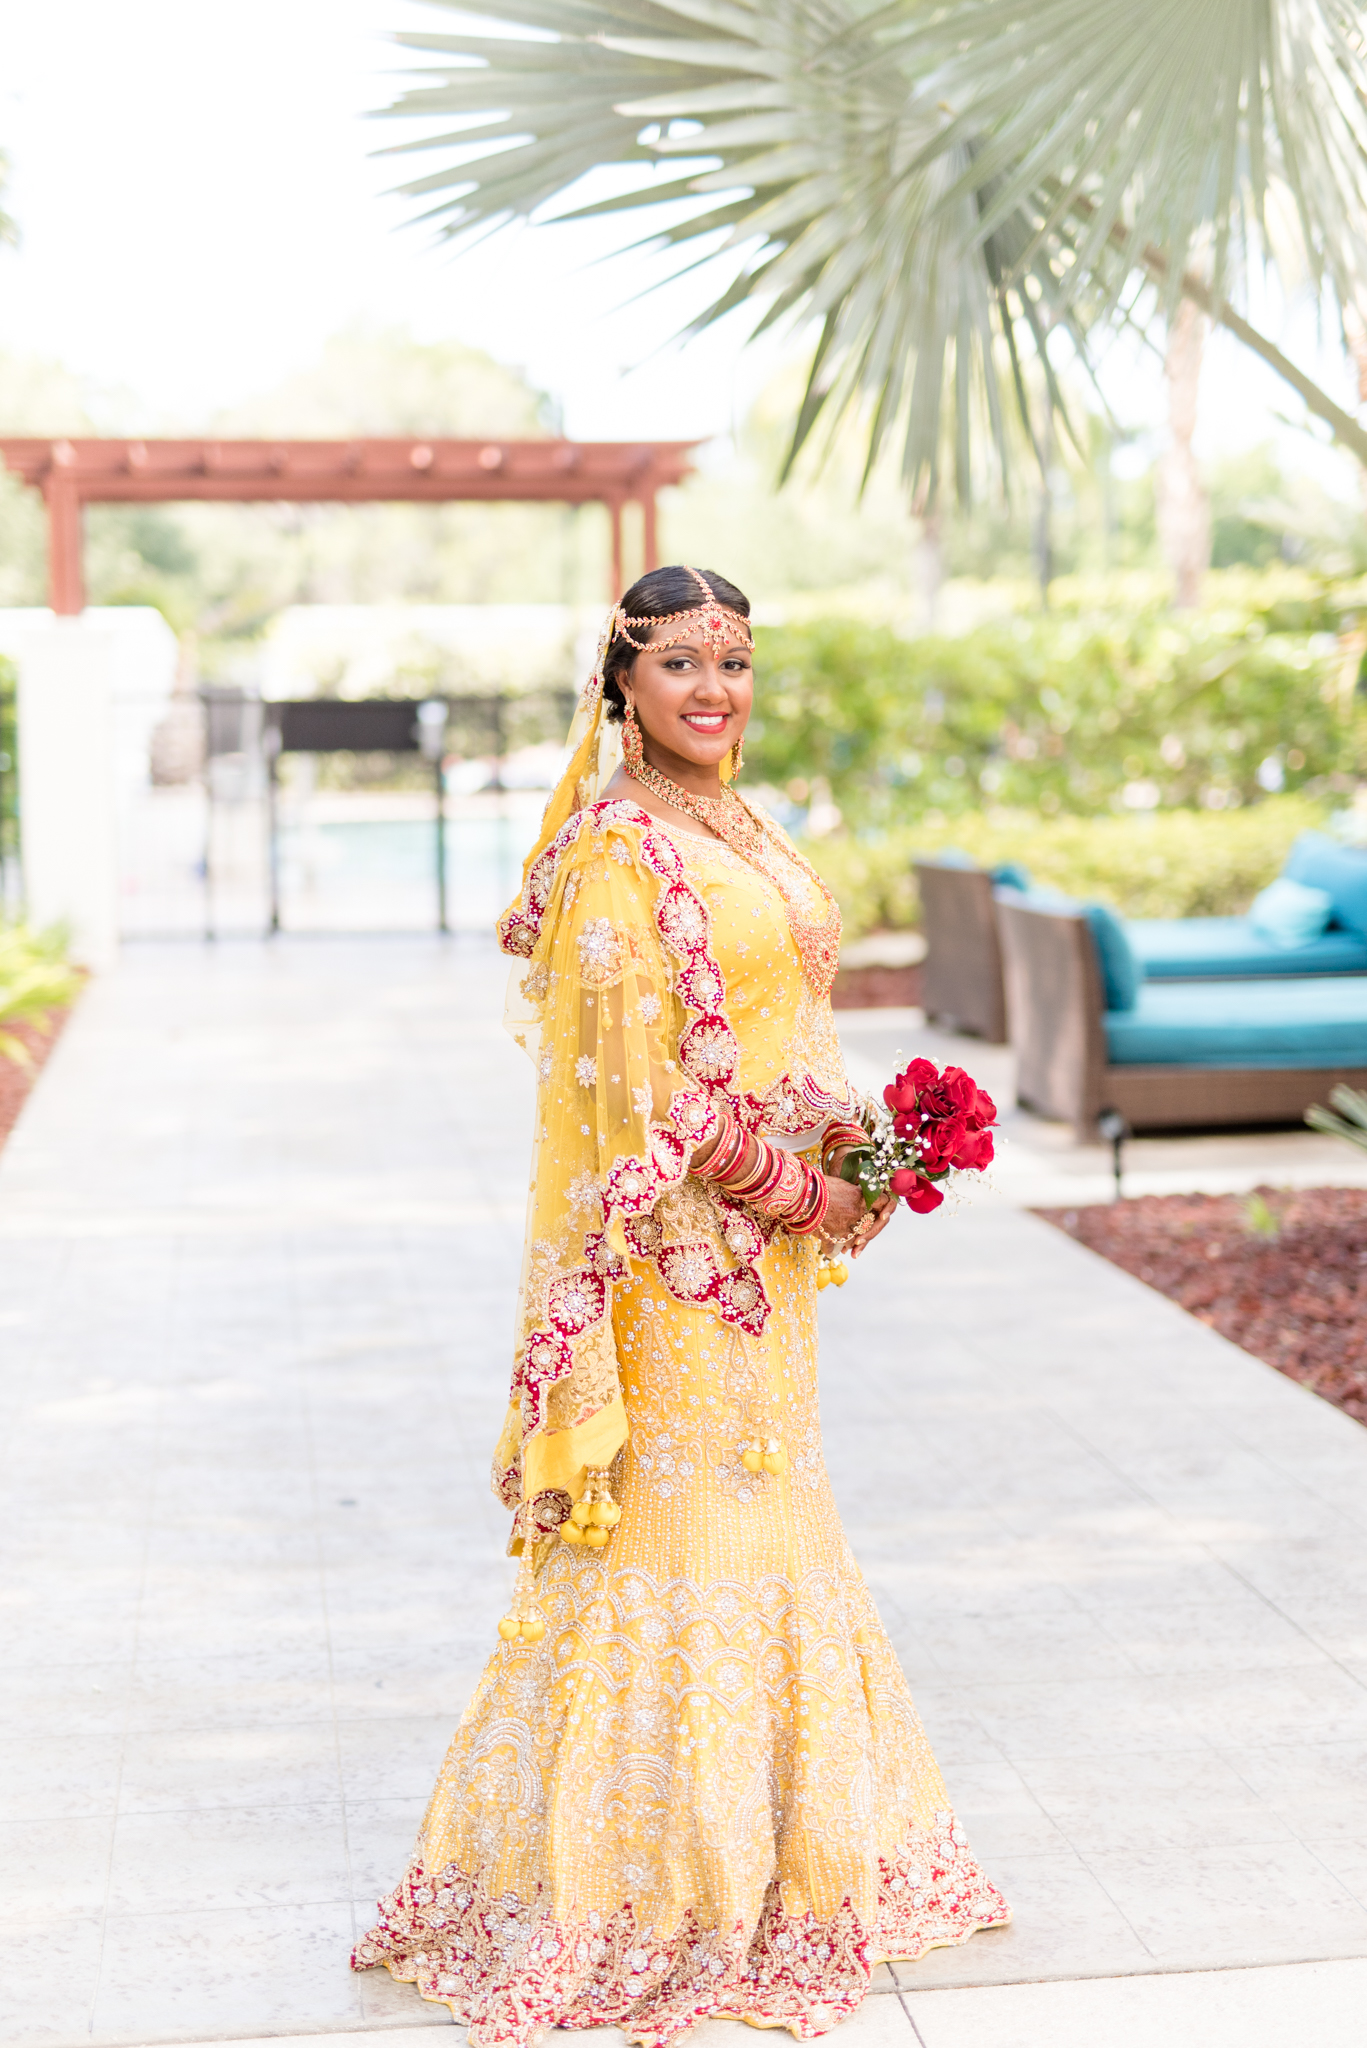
1188 948
1120 971
1287 1021
1322 863
1011 875
1290 913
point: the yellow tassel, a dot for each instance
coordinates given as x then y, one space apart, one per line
595 1514
524 1622
752 1457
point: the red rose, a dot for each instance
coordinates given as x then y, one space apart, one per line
904 1091
959 1088
939 1103
984 1111
975 1152
923 1198
938 1142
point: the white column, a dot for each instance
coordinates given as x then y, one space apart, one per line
74 754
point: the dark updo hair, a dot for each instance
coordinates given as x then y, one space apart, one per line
658 593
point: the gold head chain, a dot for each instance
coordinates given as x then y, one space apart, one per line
716 624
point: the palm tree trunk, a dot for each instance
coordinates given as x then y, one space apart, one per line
1344 427
929 560
1183 507
1355 333
1044 515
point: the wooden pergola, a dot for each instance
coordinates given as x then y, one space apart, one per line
72 474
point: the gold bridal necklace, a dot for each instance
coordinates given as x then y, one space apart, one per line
758 843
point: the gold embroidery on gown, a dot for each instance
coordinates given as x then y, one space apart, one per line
705 1792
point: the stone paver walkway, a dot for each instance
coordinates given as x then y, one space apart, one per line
260 1227
1288 2007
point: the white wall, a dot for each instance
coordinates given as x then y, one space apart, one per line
91 691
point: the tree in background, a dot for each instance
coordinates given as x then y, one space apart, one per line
1183 504
937 185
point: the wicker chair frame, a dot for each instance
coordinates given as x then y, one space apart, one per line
961 979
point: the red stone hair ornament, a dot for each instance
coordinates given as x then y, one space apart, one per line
717 626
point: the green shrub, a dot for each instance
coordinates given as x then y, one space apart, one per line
1165 864
1068 715
34 979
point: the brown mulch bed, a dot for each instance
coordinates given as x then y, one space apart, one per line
877 988
16 1081
1282 1272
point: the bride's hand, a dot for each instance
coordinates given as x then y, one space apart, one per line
846 1212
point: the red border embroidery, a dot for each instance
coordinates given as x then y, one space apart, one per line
507 1968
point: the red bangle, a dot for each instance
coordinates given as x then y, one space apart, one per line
759 1189
727 1154
838 1136
791 1188
760 1180
809 1212
777 1182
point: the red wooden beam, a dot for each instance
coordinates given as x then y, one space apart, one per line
73 473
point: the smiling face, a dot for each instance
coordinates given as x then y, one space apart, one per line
692 702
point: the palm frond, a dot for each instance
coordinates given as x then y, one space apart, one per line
1177 120
810 182
934 185
1350 1124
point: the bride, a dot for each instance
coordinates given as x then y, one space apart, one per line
691 1782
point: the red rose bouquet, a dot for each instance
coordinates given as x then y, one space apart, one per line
930 1124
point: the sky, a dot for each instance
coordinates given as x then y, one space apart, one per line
201 206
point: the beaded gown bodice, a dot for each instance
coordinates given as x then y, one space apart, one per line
781 1024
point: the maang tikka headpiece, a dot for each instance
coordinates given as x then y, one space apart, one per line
717 625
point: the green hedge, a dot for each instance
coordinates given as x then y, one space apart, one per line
1169 864
35 978
1065 715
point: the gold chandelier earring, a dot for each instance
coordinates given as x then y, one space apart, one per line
737 758
632 752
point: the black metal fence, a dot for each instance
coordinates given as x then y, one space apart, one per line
489 725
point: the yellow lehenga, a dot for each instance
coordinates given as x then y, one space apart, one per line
704 1792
